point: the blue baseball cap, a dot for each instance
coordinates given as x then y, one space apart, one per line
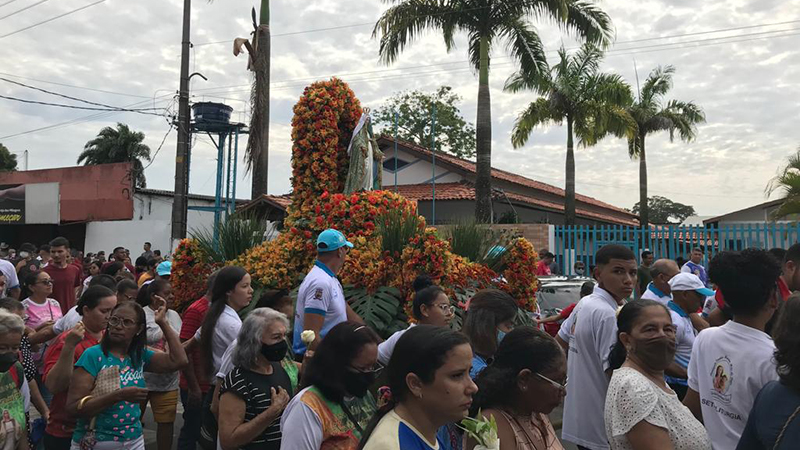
164 269
330 240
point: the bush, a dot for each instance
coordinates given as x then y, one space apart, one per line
479 243
237 234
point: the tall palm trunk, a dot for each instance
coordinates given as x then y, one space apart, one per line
644 212
259 127
569 198
483 140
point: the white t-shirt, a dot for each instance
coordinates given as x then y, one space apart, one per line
305 431
684 340
386 348
67 321
319 293
225 332
633 398
729 366
565 332
226 364
160 382
652 293
594 333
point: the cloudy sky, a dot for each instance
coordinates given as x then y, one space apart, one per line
745 78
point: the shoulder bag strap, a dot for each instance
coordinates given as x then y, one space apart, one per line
352 418
785 426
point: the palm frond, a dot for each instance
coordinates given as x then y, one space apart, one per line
657 84
527 50
537 113
586 20
402 23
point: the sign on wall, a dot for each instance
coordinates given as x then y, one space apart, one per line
12 204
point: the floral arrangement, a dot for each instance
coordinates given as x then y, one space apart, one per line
325 117
483 431
520 273
190 271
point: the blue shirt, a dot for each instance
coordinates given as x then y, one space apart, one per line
771 410
320 293
478 364
120 422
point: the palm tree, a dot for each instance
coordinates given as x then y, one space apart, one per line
487 23
257 152
652 114
592 104
115 145
788 181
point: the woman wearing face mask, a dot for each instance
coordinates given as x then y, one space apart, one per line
14 392
526 381
430 387
431 307
335 407
256 391
490 315
641 411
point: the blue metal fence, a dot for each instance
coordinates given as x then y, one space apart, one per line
580 243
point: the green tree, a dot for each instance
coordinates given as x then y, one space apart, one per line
453 134
8 160
488 23
652 114
592 104
115 145
663 210
788 182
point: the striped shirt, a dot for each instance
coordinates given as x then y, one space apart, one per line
254 389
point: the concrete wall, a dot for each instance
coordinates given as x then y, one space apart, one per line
152 222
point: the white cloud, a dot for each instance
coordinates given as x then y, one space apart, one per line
748 89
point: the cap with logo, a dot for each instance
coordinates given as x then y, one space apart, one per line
330 240
164 269
689 282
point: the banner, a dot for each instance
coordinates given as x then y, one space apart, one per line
12 204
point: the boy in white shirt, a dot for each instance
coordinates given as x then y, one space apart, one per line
730 364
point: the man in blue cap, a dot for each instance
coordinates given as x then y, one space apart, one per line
320 300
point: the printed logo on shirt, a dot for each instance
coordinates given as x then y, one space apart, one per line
722 379
318 294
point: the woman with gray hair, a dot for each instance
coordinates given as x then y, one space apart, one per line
255 393
14 393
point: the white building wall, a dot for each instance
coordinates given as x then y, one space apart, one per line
417 172
152 222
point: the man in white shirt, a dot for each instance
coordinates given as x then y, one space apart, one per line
662 271
320 299
593 334
688 294
730 364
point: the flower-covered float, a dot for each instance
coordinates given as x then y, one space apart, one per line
378 280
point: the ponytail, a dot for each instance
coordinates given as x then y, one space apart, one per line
626 317
226 281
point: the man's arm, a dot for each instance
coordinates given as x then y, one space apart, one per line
692 401
717 318
313 321
698 322
352 316
675 370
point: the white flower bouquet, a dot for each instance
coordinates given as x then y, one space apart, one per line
483 431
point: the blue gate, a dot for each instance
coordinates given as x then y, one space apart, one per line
580 243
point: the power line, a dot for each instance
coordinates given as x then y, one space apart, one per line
23 9
699 33
86 108
171 126
73 86
52 19
6 3
67 96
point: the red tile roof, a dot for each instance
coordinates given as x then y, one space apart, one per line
469 166
278 201
465 191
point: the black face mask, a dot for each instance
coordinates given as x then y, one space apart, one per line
7 360
357 383
656 353
275 352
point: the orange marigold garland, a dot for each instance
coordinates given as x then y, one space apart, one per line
190 271
520 273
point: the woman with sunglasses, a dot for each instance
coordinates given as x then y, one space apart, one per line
431 307
123 351
42 311
334 407
526 381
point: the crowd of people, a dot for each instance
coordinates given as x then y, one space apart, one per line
693 357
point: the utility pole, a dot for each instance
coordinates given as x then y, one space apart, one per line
182 155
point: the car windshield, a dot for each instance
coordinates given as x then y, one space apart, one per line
553 299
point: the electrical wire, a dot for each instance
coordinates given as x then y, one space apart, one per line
152 160
52 19
73 86
6 3
85 108
23 9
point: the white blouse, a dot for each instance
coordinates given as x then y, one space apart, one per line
632 398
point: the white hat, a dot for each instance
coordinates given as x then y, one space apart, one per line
689 282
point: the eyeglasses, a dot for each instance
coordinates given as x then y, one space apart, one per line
115 321
563 387
376 370
46 282
447 309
